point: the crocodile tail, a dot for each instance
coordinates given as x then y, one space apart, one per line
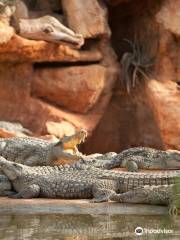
130 180
134 180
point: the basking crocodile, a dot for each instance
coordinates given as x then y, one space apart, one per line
35 151
47 28
5 185
136 158
11 129
82 181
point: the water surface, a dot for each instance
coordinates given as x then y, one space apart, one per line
84 227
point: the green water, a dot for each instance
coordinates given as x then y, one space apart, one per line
83 227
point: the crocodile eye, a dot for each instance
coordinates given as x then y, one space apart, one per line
48 30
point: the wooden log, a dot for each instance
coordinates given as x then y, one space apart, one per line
88 18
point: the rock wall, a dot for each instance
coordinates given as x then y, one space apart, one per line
56 88
45 84
149 115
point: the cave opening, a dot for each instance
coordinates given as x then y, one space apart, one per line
129 119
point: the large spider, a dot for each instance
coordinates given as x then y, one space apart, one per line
136 65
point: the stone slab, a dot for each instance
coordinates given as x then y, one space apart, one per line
48 206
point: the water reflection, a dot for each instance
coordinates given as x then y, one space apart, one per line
83 227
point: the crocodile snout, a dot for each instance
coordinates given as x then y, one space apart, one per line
48 28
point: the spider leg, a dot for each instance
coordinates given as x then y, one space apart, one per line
134 78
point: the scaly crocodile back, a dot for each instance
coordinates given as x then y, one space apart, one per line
18 149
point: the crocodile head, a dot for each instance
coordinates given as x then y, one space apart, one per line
10 169
173 160
48 28
70 142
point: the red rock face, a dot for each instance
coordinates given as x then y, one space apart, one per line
149 115
17 104
129 121
70 97
75 88
169 16
76 92
19 49
165 99
86 17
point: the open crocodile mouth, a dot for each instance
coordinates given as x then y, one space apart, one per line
67 42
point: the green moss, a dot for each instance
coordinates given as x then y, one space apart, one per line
175 203
176 193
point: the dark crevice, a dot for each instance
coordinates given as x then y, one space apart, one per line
178 85
132 19
62 64
129 120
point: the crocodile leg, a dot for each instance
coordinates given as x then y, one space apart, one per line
31 191
148 194
32 161
132 166
133 163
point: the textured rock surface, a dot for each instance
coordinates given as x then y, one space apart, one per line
148 116
169 16
86 17
22 50
178 61
75 88
168 58
165 99
60 129
64 88
129 121
6 32
15 83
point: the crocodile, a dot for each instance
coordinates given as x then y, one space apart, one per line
5 185
11 129
136 158
47 28
35 151
82 181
